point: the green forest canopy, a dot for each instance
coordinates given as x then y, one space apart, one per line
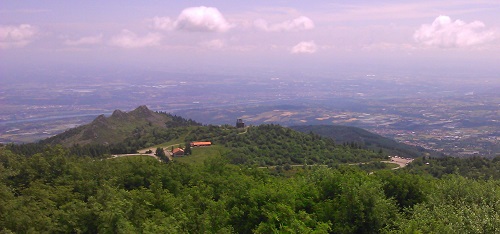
56 192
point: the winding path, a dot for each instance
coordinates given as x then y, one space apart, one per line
401 162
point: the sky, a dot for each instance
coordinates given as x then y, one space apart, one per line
242 36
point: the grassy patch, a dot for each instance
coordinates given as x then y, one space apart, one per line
167 145
375 166
392 165
200 154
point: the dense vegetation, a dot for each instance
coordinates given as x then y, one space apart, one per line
473 167
366 139
264 145
46 188
57 192
269 144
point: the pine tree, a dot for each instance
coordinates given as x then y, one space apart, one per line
187 150
161 154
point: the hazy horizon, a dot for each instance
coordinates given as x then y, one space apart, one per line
269 37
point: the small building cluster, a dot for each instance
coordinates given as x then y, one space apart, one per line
200 143
178 152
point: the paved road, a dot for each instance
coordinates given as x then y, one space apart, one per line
126 155
402 162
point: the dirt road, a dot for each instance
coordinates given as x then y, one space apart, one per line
402 162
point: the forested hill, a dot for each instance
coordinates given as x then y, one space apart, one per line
270 144
365 139
264 145
472 167
127 132
119 127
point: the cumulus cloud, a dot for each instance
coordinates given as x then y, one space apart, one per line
202 19
297 24
444 32
92 40
128 39
197 19
16 36
163 23
307 47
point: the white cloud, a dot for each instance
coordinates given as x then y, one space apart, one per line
202 19
297 24
92 40
16 36
307 47
128 39
444 32
163 23
213 44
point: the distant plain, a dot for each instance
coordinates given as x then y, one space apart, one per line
459 118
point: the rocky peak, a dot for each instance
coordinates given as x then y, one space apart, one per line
142 108
101 119
142 111
118 114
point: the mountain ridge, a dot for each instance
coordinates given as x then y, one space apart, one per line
113 129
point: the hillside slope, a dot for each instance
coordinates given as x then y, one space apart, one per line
269 145
264 145
364 138
118 127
